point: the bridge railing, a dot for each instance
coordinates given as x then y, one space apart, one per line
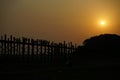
26 46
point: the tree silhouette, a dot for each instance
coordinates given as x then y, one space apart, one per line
104 42
102 50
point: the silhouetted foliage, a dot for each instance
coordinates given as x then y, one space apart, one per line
106 44
103 41
102 50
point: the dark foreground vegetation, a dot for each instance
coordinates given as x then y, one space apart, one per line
97 59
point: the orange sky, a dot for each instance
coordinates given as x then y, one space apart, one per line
59 20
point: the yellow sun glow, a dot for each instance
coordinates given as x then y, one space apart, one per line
102 23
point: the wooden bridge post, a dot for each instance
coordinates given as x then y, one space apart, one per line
41 47
5 44
44 44
32 43
71 48
64 47
1 45
48 45
52 47
28 47
11 44
14 47
8 46
37 48
23 46
19 46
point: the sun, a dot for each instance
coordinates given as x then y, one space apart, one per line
102 23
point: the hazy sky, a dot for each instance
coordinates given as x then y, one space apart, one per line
59 20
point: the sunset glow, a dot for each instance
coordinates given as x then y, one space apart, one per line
102 23
59 20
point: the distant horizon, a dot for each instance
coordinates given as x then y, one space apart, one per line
78 44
